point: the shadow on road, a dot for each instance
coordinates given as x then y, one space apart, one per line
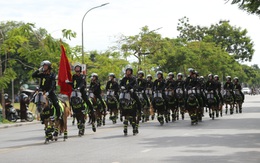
249 140
243 157
111 137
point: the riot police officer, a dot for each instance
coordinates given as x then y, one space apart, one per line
141 86
211 86
218 87
170 82
48 84
129 82
96 88
238 86
79 82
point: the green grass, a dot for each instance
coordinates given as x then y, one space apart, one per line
5 121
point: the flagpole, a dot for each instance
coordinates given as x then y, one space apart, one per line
82 34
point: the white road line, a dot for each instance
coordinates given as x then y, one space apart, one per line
146 150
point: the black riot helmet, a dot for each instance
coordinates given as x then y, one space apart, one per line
48 63
80 68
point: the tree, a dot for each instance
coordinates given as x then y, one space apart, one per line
141 45
207 49
233 40
23 47
250 6
68 34
252 75
103 64
205 57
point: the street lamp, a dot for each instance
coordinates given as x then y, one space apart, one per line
82 28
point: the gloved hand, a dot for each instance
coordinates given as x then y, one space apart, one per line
132 90
67 81
78 88
40 69
47 93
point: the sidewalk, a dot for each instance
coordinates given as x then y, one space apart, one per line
17 124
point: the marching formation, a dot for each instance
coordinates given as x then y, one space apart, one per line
133 99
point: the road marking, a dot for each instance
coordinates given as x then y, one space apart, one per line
146 150
115 162
7 150
185 134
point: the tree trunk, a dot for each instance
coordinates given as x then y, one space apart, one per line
2 92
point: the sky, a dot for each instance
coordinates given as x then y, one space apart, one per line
102 26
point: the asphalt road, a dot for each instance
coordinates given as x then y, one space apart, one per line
231 138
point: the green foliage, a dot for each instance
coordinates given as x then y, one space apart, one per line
23 47
217 49
233 40
7 77
203 56
68 34
250 6
140 46
76 53
252 75
105 63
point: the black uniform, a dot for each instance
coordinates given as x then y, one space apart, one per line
202 90
199 91
95 87
202 85
130 83
218 89
149 84
141 87
79 82
179 84
190 82
238 86
159 85
113 85
211 86
230 86
48 84
170 84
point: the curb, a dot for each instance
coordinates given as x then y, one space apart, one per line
17 124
